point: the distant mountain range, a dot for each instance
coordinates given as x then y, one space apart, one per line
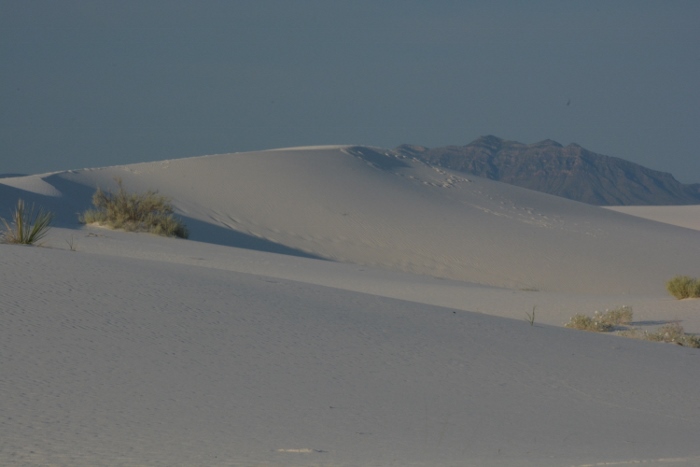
567 171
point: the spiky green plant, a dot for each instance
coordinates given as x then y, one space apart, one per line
149 212
27 226
531 317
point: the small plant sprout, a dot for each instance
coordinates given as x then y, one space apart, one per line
71 243
531 316
27 227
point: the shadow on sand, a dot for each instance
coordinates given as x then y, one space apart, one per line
210 233
76 198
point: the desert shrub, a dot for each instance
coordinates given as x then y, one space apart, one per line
673 333
27 226
601 322
618 316
684 287
587 323
145 212
667 333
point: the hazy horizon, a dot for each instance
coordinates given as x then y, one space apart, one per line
89 84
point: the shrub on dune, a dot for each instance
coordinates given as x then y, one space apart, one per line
618 316
619 320
670 333
26 227
675 334
144 212
587 323
684 287
601 322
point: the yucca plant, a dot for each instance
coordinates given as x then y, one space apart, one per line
26 227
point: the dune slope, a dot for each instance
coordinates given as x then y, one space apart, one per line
340 306
120 361
368 206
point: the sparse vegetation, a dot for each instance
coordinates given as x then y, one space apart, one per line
587 323
619 319
673 333
670 333
26 227
684 287
619 316
143 212
601 322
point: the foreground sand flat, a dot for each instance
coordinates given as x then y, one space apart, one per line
340 306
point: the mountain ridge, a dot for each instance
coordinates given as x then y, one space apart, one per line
570 171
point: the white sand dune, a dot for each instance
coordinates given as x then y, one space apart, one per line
682 216
324 312
359 205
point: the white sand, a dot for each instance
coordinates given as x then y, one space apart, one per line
219 350
682 216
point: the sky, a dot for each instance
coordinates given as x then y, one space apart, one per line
100 83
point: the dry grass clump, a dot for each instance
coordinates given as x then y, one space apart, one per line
587 323
26 226
671 333
674 333
144 212
601 322
684 287
620 318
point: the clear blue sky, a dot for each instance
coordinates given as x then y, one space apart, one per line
94 83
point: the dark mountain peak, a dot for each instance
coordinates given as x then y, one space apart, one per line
547 143
571 172
489 142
